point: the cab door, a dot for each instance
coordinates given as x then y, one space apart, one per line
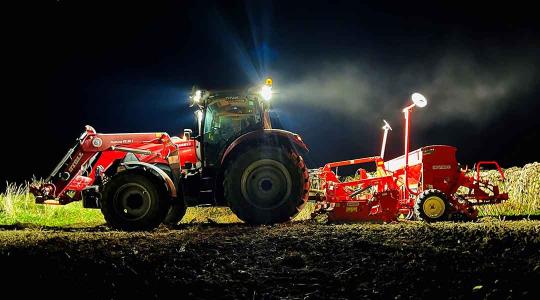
224 121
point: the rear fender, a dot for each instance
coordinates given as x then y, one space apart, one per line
276 137
155 171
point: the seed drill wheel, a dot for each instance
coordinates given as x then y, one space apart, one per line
133 201
266 185
432 206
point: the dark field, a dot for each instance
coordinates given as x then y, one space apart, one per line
303 260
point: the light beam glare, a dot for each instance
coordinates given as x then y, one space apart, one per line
235 48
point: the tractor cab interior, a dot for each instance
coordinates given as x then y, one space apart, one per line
225 120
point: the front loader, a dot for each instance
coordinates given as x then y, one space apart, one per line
236 159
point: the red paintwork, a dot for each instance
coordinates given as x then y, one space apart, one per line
187 151
381 207
160 146
79 183
398 183
264 133
430 167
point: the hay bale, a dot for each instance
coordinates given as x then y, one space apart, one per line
523 188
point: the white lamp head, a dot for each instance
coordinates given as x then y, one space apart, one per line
419 99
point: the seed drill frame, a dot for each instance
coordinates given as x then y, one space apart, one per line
423 184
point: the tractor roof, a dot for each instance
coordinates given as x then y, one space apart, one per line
230 96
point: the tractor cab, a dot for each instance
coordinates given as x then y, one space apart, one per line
224 116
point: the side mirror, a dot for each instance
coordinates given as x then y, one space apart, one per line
419 100
187 134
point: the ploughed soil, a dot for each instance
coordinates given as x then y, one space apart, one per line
300 260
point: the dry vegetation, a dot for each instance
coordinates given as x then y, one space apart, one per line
523 186
17 205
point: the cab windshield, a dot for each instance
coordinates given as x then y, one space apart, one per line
226 119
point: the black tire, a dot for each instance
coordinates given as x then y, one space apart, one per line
432 206
175 214
266 185
133 201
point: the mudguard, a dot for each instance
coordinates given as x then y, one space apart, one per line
274 135
171 188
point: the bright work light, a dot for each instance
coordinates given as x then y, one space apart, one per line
197 96
266 92
419 99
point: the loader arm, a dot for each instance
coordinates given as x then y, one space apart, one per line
67 175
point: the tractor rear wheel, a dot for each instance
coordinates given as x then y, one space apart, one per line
175 214
266 185
133 201
432 206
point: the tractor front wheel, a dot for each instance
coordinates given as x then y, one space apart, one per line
432 206
175 214
266 185
133 201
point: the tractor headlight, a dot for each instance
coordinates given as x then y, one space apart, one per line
197 96
266 92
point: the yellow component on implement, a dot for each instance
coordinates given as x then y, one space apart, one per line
351 209
268 81
434 207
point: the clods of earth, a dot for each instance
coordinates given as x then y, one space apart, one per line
299 260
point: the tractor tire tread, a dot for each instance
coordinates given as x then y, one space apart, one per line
299 203
159 206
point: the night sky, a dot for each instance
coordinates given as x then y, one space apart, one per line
340 68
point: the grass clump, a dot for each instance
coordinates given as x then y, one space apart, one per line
17 206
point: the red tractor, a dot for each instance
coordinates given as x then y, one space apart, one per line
140 180
422 184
